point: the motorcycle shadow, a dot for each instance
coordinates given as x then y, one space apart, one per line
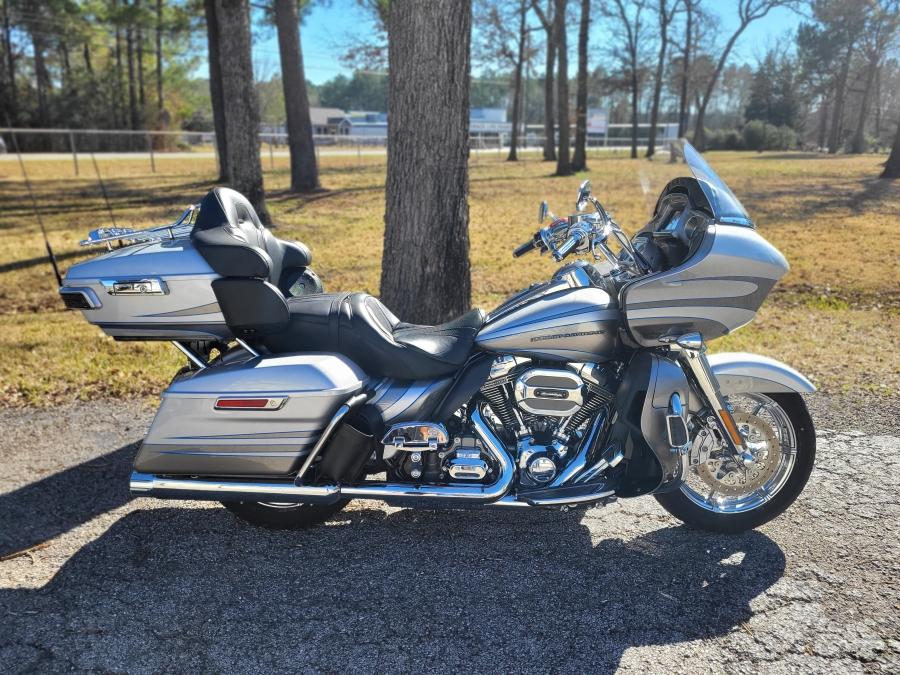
195 590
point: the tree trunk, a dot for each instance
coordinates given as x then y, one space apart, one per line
132 94
823 124
563 162
425 267
517 85
215 88
658 79
241 103
859 138
304 172
41 75
160 102
634 110
87 59
579 160
140 62
10 59
549 127
120 103
685 73
892 166
878 105
834 139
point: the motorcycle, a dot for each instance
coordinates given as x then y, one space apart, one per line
591 386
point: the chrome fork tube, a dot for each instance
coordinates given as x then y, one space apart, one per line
694 360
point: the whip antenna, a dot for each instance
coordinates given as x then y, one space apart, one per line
37 213
103 189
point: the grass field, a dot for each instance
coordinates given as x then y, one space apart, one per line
834 317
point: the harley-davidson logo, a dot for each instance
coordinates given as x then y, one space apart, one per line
560 336
551 393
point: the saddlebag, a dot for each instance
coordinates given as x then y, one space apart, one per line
259 417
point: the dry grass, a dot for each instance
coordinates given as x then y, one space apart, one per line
832 317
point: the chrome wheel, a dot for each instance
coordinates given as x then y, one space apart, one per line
717 483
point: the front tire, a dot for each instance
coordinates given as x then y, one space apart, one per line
729 511
279 516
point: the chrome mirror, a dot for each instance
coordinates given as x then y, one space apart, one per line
542 212
584 194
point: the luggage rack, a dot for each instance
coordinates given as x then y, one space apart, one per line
107 235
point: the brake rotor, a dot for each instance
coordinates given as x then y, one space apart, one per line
723 475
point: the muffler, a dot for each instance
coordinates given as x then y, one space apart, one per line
395 494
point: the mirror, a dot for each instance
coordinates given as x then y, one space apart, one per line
542 212
584 192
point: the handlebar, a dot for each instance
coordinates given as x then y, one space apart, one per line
568 246
526 247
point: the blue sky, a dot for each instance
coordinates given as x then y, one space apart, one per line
326 27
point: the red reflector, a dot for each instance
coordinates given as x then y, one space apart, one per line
242 403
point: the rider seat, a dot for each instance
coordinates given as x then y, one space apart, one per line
257 269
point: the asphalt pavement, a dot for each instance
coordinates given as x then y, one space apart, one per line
115 585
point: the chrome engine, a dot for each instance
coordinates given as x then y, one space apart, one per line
544 410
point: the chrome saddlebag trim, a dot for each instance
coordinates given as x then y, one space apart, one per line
144 485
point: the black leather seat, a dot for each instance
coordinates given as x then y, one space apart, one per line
360 327
257 270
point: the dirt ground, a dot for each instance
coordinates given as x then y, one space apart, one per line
115 585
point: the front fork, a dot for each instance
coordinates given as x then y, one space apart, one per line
691 355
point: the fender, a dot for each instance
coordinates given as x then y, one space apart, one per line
744 372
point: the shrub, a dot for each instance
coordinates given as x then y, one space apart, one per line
759 136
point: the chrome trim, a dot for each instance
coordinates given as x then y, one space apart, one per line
142 286
504 364
579 462
193 358
143 485
247 347
272 402
335 420
416 435
566 501
106 235
530 392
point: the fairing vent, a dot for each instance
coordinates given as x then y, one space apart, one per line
76 300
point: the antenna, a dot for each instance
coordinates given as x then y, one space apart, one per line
37 213
103 190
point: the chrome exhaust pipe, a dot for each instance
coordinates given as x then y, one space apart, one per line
143 485
395 494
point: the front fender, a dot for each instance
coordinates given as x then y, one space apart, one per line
744 372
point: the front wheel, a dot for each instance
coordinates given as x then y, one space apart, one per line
719 496
283 516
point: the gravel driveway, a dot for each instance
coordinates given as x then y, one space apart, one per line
120 586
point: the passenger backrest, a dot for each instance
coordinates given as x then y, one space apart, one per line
256 265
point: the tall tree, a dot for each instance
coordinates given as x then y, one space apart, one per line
425 267
160 101
304 172
665 13
882 19
748 12
628 13
579 158
563 162
549 25
215 87
241 103
8 48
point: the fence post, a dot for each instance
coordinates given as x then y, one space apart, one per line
74 153
358 152
152 159
271 155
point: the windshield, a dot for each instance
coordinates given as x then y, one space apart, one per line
726 207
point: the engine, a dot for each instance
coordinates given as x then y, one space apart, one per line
540 409
543 409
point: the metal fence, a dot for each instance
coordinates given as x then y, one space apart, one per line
148 144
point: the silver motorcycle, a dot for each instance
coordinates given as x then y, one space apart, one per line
589 387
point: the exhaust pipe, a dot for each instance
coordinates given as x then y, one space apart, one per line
395 494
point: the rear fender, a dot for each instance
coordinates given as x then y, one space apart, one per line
739 372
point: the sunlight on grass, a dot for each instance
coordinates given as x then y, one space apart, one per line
831 318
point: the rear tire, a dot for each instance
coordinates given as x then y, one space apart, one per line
284 516
686 509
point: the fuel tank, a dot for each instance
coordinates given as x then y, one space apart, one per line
574 324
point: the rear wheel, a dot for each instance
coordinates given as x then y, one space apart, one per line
720 496
284 516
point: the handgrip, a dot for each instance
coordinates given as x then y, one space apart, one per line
567 247
525 248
